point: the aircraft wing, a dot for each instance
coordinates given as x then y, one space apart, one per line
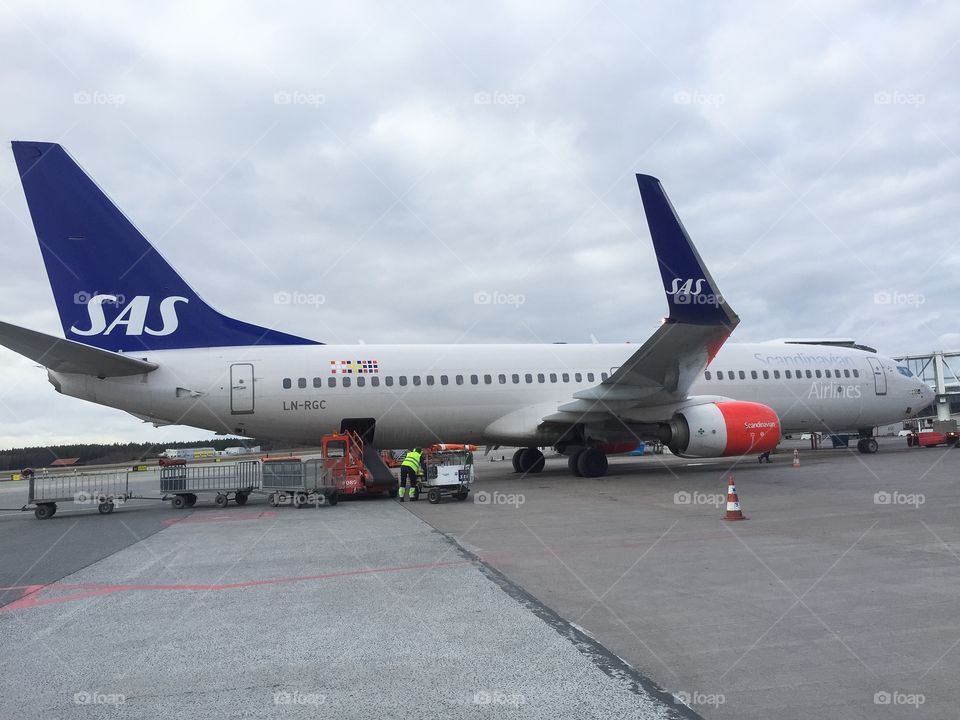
67 356
663 369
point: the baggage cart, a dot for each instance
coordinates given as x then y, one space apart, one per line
182 484
105 489
298 482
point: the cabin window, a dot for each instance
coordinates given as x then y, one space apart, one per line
590 377
416 380
302 383
827 373
809 374
444 380
317 382
604 376
528 377
578 377
487 379
402 380
361 381
706 375
429 379
332 381
766 374
515 378
388 381
565 377
743 375
287 384
375 381
553 377
346 381
753 374
786 374
856 373
459 379
818 373
846 373
541 378
474 379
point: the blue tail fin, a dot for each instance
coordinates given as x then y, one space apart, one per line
692 295
112 288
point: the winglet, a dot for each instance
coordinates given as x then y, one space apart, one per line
692 294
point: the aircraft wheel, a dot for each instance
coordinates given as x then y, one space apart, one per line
592 463
531 461
516 459
572 463
870 446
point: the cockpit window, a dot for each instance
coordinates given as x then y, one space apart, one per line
905 371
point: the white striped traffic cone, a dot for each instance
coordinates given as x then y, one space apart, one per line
733 503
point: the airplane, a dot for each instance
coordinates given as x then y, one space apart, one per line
139 338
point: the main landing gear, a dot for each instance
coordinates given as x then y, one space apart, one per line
587 462
528 461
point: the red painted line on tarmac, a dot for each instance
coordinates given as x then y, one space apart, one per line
232 517
33 594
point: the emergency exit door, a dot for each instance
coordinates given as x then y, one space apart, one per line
879 376
241 389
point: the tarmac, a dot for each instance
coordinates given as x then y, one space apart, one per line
545 596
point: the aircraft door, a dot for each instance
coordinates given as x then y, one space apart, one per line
879 376
241 389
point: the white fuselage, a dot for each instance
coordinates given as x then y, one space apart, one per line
420 394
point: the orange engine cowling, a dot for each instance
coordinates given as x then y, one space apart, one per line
724 428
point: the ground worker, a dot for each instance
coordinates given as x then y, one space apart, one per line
409 470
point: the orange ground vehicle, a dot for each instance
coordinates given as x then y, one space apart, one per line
355 466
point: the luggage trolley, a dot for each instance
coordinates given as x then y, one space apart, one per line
105 489
298 482
180 484
448 473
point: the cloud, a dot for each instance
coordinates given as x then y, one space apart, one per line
812 152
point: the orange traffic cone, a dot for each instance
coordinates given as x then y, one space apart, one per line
733 503
796 458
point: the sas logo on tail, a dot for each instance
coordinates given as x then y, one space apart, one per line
133 317
686 287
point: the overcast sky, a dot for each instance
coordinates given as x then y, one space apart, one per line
381 164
